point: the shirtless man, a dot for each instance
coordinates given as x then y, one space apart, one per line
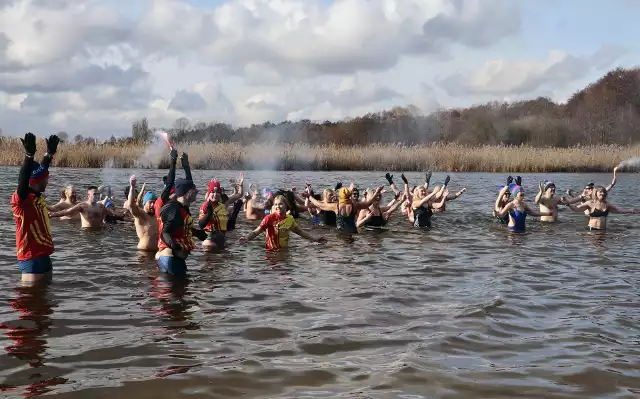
547 201
143 218
69 200
92 212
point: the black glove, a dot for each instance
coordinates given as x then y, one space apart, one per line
200 234
404 179
427 177
184 159
519 180
338 185
29 144
52 144
509 180
174 155
447 180
209 210
389 178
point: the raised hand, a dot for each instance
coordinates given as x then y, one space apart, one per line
52 144
173 154
29 144
404 179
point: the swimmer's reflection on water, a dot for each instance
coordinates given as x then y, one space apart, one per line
29 332
34 309
174 303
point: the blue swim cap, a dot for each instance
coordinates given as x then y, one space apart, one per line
149 196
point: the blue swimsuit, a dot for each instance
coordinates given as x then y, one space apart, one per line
518 219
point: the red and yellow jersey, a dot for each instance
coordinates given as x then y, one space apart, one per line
219 219
277 229
33 230
182 234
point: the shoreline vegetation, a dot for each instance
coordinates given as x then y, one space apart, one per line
596 129
297 157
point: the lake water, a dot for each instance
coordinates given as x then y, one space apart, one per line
465 310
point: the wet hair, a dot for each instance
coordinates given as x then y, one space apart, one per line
63 193
92 188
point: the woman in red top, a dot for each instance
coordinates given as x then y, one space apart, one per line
34 243
277 226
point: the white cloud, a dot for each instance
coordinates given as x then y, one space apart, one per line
93 66
518 77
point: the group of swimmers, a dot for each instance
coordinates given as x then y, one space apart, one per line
165 226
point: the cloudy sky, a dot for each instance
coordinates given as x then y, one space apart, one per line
94 66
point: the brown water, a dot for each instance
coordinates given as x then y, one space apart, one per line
462 311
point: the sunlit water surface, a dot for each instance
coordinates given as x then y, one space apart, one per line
465 310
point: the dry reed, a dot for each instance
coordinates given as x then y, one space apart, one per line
278 156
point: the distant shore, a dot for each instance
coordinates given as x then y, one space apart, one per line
278 156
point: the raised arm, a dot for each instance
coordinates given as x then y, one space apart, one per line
234 197
29 144
428 197
539 195
497 207
333 207
613 181
132 205
367 203
184 160
457 195
140 195
171 177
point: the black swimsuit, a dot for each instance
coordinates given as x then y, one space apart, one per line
422 217
347 223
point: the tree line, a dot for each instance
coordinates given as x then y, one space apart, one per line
605 112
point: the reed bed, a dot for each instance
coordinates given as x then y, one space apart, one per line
279 156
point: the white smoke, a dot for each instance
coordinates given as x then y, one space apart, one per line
633 163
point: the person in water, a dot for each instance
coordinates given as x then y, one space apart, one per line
254 203
376 216
168 193
588 192
68 199
346 209
144 218
547 201
504 197
176 237
517 210
34 243
599 208
277 226
92 212
421 208
214 216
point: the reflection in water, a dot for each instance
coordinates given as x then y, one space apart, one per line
172 295
28 333
35 309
